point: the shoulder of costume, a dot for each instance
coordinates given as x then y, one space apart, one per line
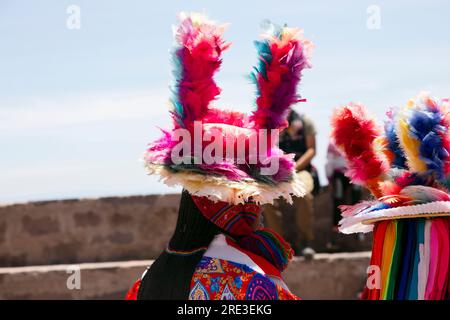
265 265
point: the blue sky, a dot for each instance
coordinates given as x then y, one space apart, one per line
77 107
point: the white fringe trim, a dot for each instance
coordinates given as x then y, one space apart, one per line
364 222
234 192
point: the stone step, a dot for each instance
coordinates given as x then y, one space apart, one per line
328 276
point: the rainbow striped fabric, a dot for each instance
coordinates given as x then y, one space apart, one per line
410 260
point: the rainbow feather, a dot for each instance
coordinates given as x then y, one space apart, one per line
283 54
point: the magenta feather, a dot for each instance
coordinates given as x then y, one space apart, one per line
282 57
197 58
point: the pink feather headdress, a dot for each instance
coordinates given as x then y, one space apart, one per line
243 161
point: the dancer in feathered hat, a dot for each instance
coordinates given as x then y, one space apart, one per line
406 166
219 249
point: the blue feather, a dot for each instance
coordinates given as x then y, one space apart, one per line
376 207
177 73
263 49
394 145
425 124
265 57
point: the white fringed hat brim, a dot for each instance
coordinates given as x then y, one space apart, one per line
234 192
363 222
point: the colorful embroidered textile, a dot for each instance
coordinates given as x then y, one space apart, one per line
233 273
238 220
217 279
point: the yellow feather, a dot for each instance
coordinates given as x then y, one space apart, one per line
411 104
411 147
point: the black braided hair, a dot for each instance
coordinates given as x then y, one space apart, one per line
169 277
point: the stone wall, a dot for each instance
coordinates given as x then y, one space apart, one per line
112 229
86 230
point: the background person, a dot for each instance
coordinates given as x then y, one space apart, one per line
341 188
296 221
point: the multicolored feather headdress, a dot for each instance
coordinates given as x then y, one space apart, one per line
227 155
406 167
